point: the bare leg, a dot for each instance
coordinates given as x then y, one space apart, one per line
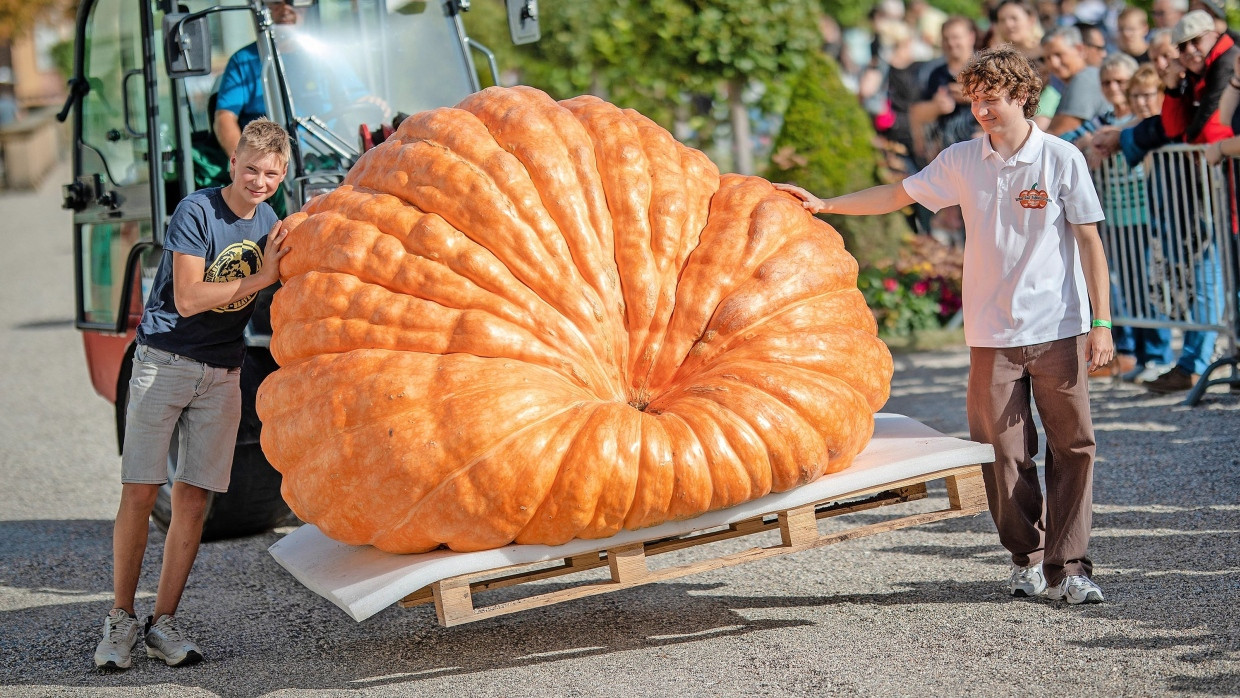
189 505
129 541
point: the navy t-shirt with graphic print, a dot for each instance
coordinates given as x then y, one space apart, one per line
204 226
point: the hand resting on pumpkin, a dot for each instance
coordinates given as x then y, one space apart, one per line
867 202
193 295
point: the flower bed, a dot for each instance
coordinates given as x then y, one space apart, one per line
920 290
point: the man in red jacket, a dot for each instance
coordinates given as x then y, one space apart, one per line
1190 112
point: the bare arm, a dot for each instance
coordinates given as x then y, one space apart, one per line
192 295
867 202
920 115
1062 123
1226 109
1229 147
1227 104
1099 346
1231 96
227 131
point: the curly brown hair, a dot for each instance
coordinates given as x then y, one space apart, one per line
1003 70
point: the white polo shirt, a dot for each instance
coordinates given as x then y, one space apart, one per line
1023 281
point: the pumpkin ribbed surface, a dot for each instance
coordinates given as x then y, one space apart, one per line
527 320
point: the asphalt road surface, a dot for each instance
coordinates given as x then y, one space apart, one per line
914 612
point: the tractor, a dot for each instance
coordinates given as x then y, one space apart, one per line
143 103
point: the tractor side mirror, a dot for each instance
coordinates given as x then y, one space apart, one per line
187 45
523 21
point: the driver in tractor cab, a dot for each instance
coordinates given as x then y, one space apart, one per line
319 84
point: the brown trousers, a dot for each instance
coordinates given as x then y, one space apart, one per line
1055 529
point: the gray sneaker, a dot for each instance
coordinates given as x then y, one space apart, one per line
1076 589
1027 581
120 633
164 641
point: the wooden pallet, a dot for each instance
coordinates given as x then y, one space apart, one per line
895 466
798 527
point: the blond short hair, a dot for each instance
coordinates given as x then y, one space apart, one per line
1003 70
1146 76
265 136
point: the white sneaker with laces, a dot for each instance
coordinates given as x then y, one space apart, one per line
1027 581
164 641
120 633
1147 373
1076 589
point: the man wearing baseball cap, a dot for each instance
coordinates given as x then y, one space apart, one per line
1190 114
1218 12
1190 110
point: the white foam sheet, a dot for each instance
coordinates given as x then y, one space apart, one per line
363 580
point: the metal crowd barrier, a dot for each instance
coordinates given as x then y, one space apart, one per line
1171 241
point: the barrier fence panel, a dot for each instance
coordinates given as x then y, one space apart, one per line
1170 238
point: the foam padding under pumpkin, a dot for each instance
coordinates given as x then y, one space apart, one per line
522 320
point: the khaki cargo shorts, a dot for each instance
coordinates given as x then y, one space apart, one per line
203 403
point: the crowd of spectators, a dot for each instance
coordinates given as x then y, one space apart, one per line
1119 83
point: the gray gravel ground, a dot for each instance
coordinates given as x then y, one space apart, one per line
913 612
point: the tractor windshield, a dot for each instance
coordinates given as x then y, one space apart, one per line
346 63
349 63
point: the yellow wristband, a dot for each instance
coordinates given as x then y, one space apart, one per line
1101 323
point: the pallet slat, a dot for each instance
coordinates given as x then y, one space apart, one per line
594 560
628 563
901 457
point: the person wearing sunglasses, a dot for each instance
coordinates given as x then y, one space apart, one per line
1190 113
1094 44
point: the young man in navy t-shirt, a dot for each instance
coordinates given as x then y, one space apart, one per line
223 246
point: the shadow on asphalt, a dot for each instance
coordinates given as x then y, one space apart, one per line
1165 525
68 560
1217 685
44 324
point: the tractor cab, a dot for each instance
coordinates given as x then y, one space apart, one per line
151 79
337 73
148 76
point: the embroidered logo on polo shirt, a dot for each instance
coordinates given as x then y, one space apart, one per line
237 261
1033 197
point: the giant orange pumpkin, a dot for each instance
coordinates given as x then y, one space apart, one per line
523 320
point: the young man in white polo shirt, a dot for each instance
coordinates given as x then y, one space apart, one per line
1034 267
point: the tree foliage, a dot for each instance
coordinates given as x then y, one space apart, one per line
826 146
656 55
17 16
854 13
704 41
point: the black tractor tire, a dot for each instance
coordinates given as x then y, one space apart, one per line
252 504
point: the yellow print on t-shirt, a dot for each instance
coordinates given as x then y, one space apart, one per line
237 261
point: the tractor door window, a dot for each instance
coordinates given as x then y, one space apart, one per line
114 110
107 246
229 31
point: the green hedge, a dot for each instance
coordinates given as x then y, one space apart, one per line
826 145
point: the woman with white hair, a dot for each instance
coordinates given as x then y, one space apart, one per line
1114 73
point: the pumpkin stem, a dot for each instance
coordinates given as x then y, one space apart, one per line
639 400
